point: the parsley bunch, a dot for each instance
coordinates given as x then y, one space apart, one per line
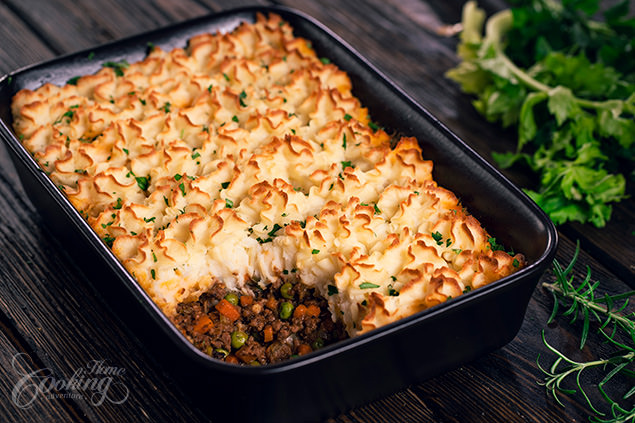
567 82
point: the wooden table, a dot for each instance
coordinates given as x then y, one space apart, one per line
59 324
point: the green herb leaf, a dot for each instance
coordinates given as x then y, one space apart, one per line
143 182
367 285
118 67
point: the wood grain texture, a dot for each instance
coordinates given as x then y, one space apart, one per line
16 365
20 46
49 311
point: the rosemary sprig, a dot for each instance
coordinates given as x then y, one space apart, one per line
582 301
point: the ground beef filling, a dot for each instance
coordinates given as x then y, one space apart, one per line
285 320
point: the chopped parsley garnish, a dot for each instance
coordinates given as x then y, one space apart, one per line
142 101
377 211
117 205
346 164
209 88
367 285
394 278
392 291
166 107
515 263
467 289
109 240
226 77
118 67
150 219
325 60
177 177
448 242
143 182
225 185
150 46
347 117
344 141
495 245
182 188
196 155
438 237
314 251
373 126
332 290
457 250
242 97
235 118
153 273
166 201
73 80
154 257
125 150
228 203
275 229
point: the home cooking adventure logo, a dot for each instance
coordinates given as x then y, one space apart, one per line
97 382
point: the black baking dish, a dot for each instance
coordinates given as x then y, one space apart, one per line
354 371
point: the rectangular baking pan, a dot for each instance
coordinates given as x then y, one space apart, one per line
349 373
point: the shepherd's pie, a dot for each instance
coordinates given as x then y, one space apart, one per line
245 160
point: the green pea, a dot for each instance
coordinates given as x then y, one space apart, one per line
232 298
285 290
238 339
222 351
286 309
317 344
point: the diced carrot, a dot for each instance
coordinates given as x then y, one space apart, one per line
304 349
267 333
272 303
313 311
231 359
246 300
228 310
203 324
299 311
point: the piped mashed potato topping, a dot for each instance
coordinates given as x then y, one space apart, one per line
245 158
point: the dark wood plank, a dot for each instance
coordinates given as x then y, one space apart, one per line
21 46
19 372
87 23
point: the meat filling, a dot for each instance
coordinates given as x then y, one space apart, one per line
282 321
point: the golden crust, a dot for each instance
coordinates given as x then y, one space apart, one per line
245 157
